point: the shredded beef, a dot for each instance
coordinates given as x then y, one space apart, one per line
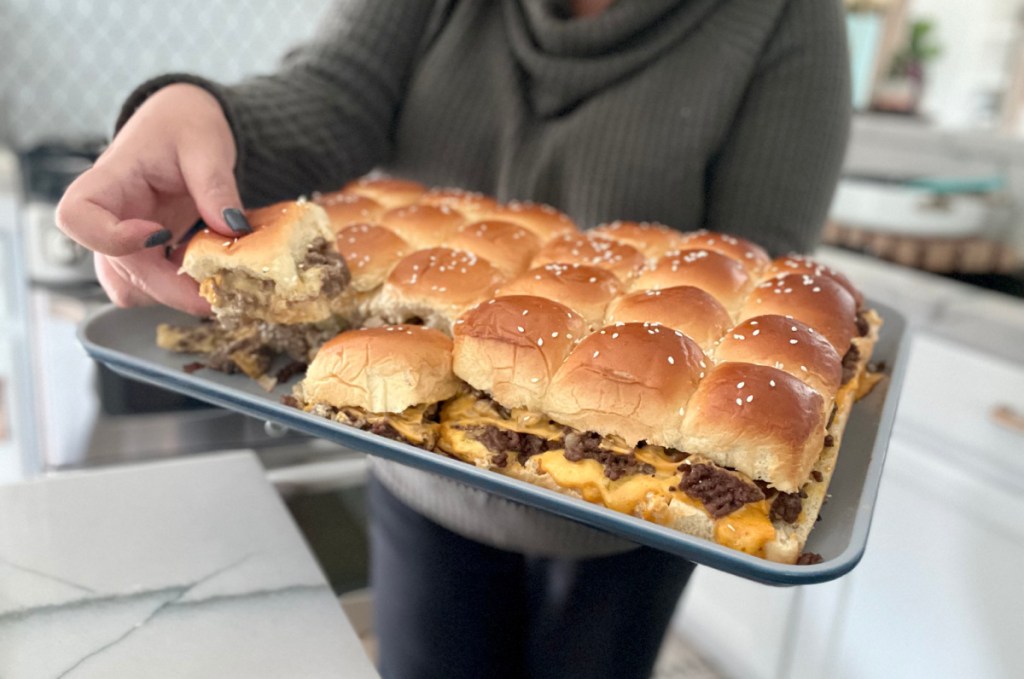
829 440
720 492
192 367
579 446
850 361
503 441
675 455
765 488
786 507
817 476
290 401
386 430
808 559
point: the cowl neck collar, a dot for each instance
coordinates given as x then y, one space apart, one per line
565 60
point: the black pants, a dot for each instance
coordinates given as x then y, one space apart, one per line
449 607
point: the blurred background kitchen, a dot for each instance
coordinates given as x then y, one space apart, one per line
929 218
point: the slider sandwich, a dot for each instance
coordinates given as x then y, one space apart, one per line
387 381
277 290
587 290
721 276
650 238
621 259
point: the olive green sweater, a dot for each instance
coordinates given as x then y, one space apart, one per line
726 114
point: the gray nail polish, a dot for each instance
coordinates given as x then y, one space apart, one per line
158 238
236 220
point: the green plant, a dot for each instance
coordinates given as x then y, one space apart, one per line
919 49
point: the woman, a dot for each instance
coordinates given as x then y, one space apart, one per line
730 115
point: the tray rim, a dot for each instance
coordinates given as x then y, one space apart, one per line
690 547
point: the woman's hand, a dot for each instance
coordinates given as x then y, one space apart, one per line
170 165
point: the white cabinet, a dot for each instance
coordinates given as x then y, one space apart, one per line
938 593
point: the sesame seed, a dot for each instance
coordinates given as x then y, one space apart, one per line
771 383
739 385
615 335
596 354
804 368
793 341
739 401
540 341
793 328
520 328
757 332
671 360
750 398
535 379
526 311
554 333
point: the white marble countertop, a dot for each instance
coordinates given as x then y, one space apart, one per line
189 568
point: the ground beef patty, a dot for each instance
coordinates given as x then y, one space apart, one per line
501 442
720 492
616 465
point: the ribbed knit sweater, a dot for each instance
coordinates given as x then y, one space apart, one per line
730 115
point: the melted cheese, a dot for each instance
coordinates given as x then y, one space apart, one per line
468 411
748 529
587 478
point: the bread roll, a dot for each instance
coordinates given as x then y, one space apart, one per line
690 310
621 259
587 290
650 238
509 247
722 277
389 192
423 226
752 256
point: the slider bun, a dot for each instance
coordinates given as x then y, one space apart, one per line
800 264
582 248
818 301
650 238
423 226
388 191
758 420
370 252
628 380
344 209
587 290
752 256
543 220
722 277
509 247
475 206
690 310
382 370
435 285
787 344
511 346
281 237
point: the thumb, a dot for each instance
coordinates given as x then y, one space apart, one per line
210 180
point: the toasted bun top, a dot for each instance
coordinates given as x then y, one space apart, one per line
475 206
511 346
382 370
344 209
690 310
819 302
787 344
629 380
423 226
441 279
370 252
722 277
800 264
582 248
509 247
752 256
650 238
758 420
543 220
281 238
587 290
388 191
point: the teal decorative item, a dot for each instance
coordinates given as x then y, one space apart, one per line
863 30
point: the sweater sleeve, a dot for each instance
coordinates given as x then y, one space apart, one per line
327 115
778 168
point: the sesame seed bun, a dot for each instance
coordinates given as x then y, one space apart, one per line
788 345
752 256
370 252
722 277
819 302
382 370
587 290
582 248
799 264
423 226
690 310
650 238
511 346
628 381
387 191
475 206
509 247
757 420
265 275
344 209
435 285
543 220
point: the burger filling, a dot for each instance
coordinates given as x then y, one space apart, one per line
416 425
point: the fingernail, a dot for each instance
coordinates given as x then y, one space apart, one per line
158 238
236 220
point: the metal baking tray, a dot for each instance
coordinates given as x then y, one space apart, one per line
124 340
